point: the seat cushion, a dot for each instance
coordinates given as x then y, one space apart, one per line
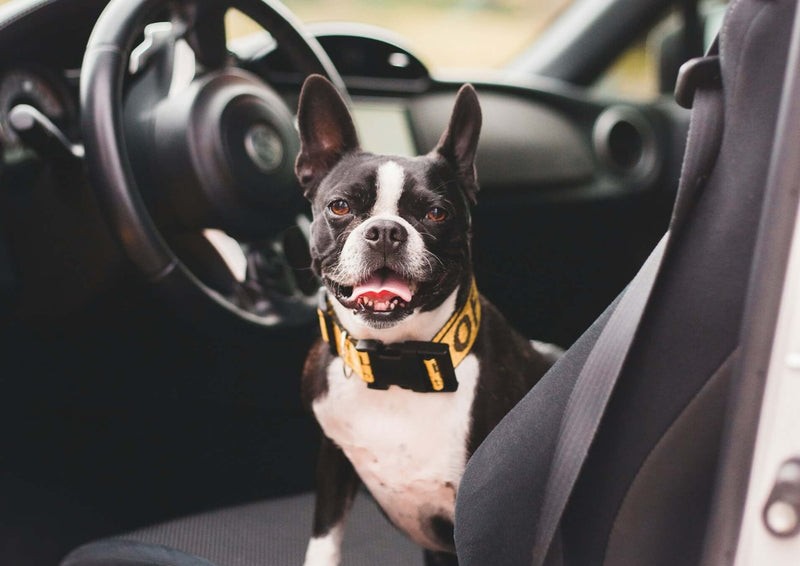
268 533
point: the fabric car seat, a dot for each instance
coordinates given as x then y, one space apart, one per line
645 490
644 493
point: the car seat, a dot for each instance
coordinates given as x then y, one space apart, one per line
644 492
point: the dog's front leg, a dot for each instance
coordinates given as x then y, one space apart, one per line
336 486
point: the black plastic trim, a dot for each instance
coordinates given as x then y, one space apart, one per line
645 165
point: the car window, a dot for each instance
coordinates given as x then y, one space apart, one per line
635 73
442 33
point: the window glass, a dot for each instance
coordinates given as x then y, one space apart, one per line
442 33
634 75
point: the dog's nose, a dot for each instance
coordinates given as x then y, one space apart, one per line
386 234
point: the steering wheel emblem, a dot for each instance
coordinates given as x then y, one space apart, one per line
264 147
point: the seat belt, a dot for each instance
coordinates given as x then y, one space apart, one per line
698 85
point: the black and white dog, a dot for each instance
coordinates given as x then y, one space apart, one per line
415 367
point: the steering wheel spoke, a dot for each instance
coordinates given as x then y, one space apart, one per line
268 277
230 251
161 65
205 32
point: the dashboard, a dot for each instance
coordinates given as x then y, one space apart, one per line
398 106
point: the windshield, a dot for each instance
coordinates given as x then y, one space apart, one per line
442 33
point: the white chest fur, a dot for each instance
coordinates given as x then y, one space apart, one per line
409 448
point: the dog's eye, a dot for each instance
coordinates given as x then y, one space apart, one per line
339 207
437 214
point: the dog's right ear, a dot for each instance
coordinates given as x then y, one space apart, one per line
326 132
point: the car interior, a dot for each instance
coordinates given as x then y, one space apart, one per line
156 302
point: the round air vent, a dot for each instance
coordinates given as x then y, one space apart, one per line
625 142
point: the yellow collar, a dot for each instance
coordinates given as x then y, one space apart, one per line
419 366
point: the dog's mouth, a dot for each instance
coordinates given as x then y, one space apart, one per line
383 292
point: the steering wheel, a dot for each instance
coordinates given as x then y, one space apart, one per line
172 153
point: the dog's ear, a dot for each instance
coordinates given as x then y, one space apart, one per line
326 132
459 142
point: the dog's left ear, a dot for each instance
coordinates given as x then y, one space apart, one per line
459 142
326 132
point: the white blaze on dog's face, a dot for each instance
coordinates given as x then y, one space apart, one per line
391 235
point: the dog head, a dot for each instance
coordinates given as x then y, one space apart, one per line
390 235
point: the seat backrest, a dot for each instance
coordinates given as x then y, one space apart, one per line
644 493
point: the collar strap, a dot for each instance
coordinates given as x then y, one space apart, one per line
425 367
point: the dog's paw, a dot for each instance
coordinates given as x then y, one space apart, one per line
324 550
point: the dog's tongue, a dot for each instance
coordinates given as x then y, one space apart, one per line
383 286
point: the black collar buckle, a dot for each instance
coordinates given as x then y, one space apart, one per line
424 367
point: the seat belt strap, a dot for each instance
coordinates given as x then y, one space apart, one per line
590 397
595 384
